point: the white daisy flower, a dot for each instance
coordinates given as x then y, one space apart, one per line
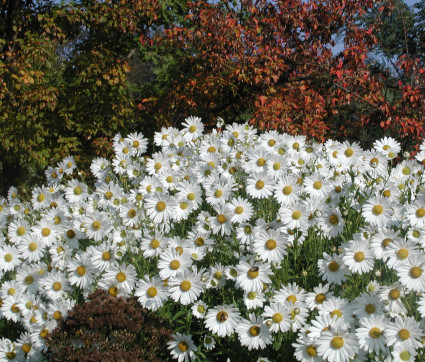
253 300
404 332
315 299
55 285
96 225
171 262
10 258
151 293
337 345
123 277
371 334
277 317
253 333
411 273
358 256
32 247
182 347
222 320
185 287
199 309
377 211
367 305
332 269
253 275
160 207
259 185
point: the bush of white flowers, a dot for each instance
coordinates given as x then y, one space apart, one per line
256 247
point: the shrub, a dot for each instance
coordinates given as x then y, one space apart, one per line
107 328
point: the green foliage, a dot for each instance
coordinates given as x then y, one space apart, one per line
65 70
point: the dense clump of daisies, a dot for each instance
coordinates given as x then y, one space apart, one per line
250 244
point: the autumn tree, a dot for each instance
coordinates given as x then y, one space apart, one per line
271 62
64 71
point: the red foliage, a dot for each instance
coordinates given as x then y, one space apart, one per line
275 57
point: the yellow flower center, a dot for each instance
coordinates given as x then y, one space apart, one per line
57 315
348 152
192 129
253 272
261 162
375 332
152 292
359 256
377 210
201 309
183 346
296 215
131 213
259 185
175 264
403 334
333 219
78 191
106 255
29 280
26 348
222 316
254 331
394 294
337 342
41 198
320 298
32 247
11 355
386 193
113 291
287 190
337 313
154 244
271 244
370 309
292 298
200 241
276 166
121 277
45 232
44 332
160 206
415 272
218 193
238 210
277 318
386 242
271 142
402 253
221 218
252 295
185 285
333 266
81 271
96 225
20 231
57 286
191 196
295 145
311 351
420 212
317 185
405 171
8 258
